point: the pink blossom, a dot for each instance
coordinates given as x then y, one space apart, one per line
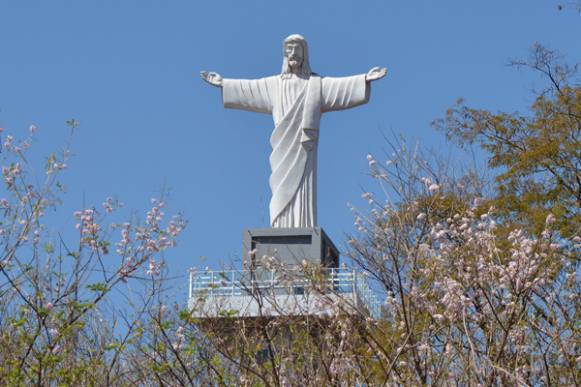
8 142
108 205
433 188
153 268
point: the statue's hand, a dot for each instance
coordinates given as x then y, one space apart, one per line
213 79
375 73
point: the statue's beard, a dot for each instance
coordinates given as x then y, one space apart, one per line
295 64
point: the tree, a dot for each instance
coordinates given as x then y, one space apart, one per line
537 154
466 302
58 324
481 289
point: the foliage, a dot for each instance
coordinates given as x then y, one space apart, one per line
537 154
466 304
55 296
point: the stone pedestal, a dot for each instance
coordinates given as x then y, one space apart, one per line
291 246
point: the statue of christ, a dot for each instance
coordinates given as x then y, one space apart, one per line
296 99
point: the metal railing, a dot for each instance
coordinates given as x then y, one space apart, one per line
232 283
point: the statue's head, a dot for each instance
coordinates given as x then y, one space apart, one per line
296 56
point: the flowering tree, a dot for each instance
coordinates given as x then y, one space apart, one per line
56 321
481 278
463 305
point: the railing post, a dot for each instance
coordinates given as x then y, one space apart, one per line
354 275
332 278
233 279
190 287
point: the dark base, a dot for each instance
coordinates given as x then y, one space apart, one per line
290 246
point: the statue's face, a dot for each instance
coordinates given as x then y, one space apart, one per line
294 54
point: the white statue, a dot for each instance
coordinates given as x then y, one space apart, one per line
296 99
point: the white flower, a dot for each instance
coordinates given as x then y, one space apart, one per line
153 269
433 188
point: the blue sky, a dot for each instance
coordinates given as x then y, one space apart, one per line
128 72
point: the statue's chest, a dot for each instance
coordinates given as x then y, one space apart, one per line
290 90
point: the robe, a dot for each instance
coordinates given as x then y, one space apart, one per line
296 105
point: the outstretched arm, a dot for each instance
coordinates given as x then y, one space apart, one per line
347 92
344 92
244 94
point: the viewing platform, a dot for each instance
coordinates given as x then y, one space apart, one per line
277 292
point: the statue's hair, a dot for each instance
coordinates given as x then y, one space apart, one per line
305 66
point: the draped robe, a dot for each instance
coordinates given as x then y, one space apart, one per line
296 105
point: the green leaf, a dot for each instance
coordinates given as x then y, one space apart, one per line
98 287
48 248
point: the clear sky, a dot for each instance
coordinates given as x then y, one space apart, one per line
128 72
